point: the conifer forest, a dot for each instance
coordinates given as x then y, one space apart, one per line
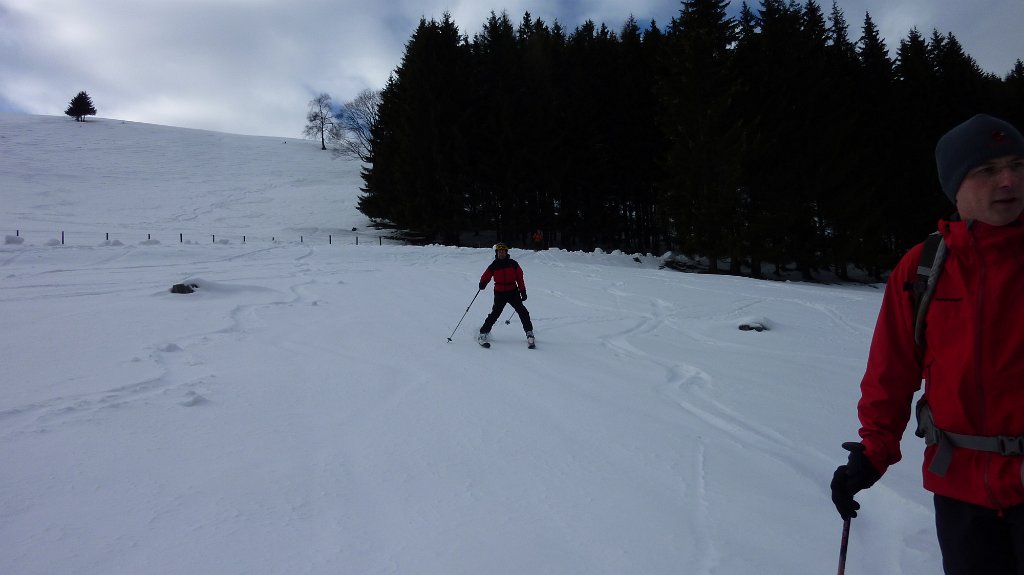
783 137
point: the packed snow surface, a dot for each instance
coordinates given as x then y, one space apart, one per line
303 411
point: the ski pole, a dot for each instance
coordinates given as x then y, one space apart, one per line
463 316
843 545
509 320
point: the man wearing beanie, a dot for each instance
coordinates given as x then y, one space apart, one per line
970 355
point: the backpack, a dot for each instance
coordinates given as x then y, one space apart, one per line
923 287
933 254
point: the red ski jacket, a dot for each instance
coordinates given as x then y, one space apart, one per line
972 363
507 274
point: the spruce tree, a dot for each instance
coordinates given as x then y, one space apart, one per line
776 161
702 176
876 150
415 183
80 107
1012 95
917 109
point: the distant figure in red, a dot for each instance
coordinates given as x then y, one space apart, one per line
538 240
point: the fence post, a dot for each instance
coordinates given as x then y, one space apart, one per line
62 237
330 239
243 239
108 236
214 236
181 238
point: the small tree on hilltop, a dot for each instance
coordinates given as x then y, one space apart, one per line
320 120
80 107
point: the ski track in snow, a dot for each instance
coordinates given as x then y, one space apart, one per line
173 359
692 388
41 417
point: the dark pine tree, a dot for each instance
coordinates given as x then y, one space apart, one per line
773 65
541 129
499 134
80 107
961 85
416 180
917 108
1012 94
835 121
701 183
875 148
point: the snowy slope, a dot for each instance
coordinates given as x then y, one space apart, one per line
303 411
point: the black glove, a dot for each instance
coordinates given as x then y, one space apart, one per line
522 295
857 474
483 285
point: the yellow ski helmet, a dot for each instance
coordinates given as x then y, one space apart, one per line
500 246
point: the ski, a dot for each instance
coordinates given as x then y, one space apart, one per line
486 345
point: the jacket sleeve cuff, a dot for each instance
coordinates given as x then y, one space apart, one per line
880 459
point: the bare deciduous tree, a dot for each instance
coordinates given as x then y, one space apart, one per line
320 121
356 120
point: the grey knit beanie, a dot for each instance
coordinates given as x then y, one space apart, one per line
971 144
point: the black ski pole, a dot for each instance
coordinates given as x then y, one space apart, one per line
509 320
843 545
463 316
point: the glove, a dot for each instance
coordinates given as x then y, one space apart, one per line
483 285
522 295
857 474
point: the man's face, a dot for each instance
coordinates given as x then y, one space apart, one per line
993 192
501 254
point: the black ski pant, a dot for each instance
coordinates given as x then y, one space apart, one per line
511 298
977 540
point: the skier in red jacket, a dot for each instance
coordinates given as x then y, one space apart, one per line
971 360
509 288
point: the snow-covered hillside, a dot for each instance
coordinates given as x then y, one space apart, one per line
304 411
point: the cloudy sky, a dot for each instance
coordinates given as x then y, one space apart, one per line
251 66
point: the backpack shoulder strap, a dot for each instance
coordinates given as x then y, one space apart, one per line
933 254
